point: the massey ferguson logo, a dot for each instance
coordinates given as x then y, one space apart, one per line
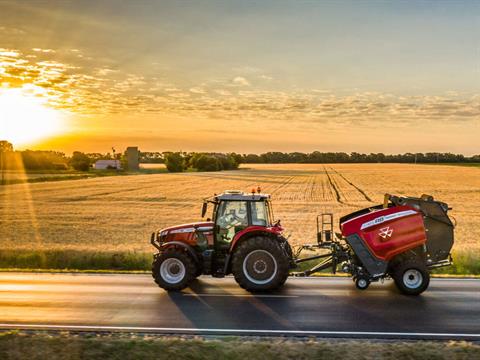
386 232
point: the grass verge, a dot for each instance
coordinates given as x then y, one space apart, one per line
75 260
22 345
465 264
77 175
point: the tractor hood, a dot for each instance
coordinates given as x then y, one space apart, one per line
187 228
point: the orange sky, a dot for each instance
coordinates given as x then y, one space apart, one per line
224 76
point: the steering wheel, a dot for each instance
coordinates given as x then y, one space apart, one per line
228 224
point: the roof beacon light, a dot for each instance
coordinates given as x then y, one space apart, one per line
259 190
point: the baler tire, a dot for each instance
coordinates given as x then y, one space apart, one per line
361 282
269 251
189 269
416 268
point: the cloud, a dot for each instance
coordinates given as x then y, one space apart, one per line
43 50
11 31
9 53
197 90
93 87
240 81
223 92
105 71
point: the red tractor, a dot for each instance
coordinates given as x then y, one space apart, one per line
403 238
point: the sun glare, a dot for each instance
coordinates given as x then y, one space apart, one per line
25 119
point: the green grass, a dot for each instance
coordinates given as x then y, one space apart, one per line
464 263
63 345
60 175
75 260
47 178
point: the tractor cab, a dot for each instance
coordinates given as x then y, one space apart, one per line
235 211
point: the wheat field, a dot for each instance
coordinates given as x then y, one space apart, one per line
118 213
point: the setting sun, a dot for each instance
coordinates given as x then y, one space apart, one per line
26 119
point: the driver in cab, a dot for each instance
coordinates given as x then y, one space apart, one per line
230 220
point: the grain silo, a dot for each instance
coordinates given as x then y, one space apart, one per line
133 158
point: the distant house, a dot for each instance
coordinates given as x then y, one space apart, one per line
107 164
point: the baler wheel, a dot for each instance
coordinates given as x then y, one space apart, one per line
362 282
173 269
411 277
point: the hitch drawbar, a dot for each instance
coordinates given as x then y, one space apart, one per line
327 239
336 255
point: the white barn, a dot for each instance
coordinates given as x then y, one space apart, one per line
107 164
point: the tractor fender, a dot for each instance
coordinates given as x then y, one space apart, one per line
253 231
182 245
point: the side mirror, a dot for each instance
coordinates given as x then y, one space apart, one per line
204 209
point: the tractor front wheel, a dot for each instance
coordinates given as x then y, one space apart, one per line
411 277
173 269
260 264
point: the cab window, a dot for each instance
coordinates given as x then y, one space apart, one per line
259 213
232 212
231 217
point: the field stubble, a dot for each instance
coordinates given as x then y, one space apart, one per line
106 222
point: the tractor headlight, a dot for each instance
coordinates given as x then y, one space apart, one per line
161 235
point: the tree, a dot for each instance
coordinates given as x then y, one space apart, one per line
174 162
43 160
5 146
227 162
208 163
80 161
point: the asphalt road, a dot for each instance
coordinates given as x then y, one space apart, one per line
329 307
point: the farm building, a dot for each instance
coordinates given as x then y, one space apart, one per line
107 164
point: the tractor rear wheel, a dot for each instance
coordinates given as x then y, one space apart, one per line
260 264
173 269
411 277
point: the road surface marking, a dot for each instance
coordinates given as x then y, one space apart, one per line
242 295
238 331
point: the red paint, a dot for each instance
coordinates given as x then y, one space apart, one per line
407 232
276 230
189 238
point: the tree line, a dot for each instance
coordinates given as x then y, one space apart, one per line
318 157
201 161
178 162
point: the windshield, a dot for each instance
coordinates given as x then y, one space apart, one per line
232 213
232 217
